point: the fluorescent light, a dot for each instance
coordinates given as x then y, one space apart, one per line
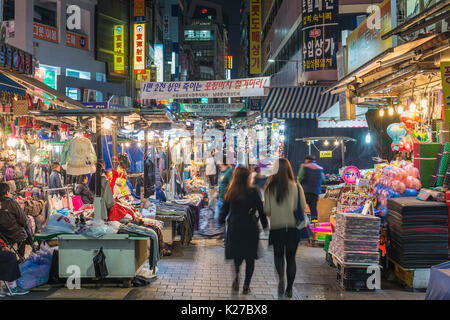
271 60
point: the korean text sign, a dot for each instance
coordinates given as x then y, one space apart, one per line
119 60
255 36
139 48
320 34
351 175
445 73
44 32
251 87
213 109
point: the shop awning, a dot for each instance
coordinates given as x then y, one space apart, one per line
297 103
387 58
331 118
8 85
33 87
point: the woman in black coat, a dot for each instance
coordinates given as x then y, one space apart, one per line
245 207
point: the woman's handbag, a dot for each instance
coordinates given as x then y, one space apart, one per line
302 222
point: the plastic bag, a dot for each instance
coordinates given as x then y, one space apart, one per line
59 223
96 228
77 203
35 270
101 270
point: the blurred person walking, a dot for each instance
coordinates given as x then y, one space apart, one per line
280 203
245 209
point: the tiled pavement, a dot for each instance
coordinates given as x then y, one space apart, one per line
200 272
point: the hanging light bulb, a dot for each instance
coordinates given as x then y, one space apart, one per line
381 112
368 138
424 103
391 111
127 144
412 107
139 144
36 159
325 143
400 109
336 143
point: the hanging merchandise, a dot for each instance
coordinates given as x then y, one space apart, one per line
79 156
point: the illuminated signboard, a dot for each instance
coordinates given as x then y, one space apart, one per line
77 40
119 60
159 62
255 36
228 62
139 48
44 32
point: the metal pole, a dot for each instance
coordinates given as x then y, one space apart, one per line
99 151
146 180
343 153
114 144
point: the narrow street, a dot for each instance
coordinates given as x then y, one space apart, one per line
199 272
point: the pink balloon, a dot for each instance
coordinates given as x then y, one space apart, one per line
401 187
416 173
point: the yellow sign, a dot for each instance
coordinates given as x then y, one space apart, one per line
445 73
326 154
139 48
119 59
255 36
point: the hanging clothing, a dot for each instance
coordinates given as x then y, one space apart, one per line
79 156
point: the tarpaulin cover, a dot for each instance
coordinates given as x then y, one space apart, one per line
439 285
135 153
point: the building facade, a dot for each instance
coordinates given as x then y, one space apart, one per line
61 35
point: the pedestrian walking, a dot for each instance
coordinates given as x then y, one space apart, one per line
245 209
280 202
310 176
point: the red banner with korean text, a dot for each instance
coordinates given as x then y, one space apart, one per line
77 40
44 32
255 36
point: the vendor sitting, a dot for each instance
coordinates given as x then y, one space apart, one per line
82 190
13 221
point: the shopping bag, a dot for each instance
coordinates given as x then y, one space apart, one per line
77 203
101 270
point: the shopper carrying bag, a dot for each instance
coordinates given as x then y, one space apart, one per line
283 201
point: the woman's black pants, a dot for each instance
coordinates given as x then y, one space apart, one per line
285 248
249 268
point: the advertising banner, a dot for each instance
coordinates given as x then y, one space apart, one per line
365 43
252 87
213 109
139 10
320 34
445 72
255 36
139 48
44 32
77 40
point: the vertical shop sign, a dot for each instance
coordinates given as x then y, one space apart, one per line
119 60
139 48
320 34
159 62
255 36
166 27
139 10
445 72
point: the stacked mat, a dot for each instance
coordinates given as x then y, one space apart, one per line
356 238
445 161
444 131
437 166
425 155
418 232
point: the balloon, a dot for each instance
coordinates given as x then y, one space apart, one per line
397 131
401 187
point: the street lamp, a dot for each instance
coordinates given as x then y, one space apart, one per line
296 67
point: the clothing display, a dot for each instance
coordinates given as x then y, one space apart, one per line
79 156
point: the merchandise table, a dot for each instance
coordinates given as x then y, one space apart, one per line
125 254
439 285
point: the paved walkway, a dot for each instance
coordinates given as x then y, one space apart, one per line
199 272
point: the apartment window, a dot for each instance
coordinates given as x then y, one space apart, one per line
99 96
78 74
100 77
45 16
272 15
73 93
8 10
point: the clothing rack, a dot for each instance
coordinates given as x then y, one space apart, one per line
47 192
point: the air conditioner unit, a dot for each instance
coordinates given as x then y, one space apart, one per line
3 33
89 95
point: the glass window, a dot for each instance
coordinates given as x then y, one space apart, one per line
45 16
100 77
99 96
8 10
73 93
78 74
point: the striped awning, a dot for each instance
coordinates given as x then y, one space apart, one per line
297 103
